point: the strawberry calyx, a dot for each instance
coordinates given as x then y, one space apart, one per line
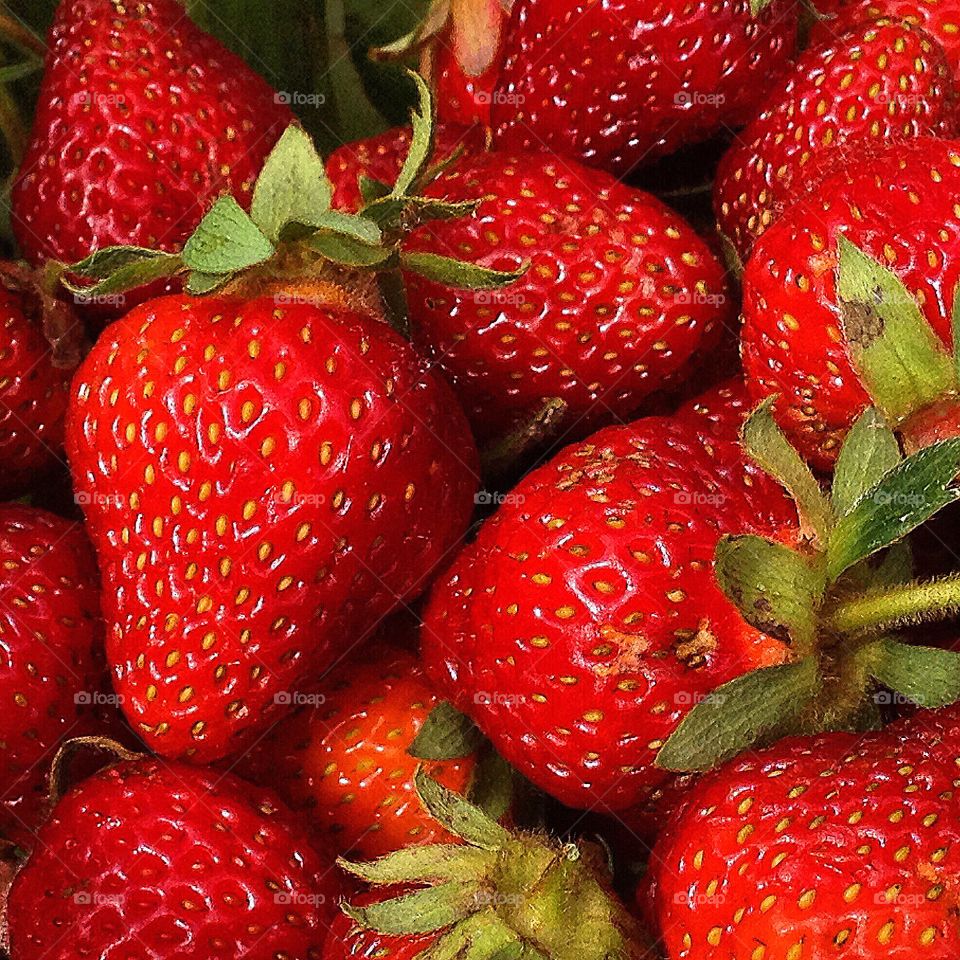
838 597
293 234
498 893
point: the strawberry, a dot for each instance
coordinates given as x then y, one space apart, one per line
882 81
347 941
34 379
51 654
615 85
584 622
620 296
837 845
939 18
381 158
154 859
260 478
143 121
342 759
898 205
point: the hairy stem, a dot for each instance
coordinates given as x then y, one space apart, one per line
902 606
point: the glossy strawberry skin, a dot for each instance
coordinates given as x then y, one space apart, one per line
158 859
883 81
939 18
342 760
585 622
381 158
836 845
898 204
51 652
263 480
33 398
620 296
620 83
143 120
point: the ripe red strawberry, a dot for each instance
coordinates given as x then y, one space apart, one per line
838 845
51 654
940 18
342 760
620 297
262 478
881 81
143 121
347 941
585 622
381 158
899 206
34 386
154 859
618 84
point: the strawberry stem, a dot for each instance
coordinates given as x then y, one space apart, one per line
902 606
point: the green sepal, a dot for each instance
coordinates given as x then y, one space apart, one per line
736 715
436 863
422 140
869 453
292 187
502 457
421 911
758 6
492 789
437 17
909 495
350 225
226 241
350 251
765 443
199 284
481 937
447 734
899 358
372 190
17 71
928 676
776 589
459 816
120 269
457 273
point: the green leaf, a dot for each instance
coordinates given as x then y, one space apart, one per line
447 734
775 588
928 676
899 358
492 787
905 498
372 190
292 187
350 225
422 911
103 263
459 274
129 275
199 284
422 142
484 936
226 241
17 71
737 714
765 443
436 863
349 251
869 452
459 816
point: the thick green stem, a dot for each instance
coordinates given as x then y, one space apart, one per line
902 606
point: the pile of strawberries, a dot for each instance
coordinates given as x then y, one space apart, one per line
410 553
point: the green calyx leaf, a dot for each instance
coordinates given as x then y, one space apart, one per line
226 241
423 140
459 274
447 734
117 270
776 589
736 715
459 816
492 789
292 187
899 358
927 676
437 863
758 6
869 453
906 497
766 444
422 911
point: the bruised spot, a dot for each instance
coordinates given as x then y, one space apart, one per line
862 324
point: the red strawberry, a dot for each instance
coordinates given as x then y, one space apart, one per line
152 859
347 941
381 158
940 18
34 383
618 84
143 121
51 656
262 479
621 294
899 206
343 759
838 845
585 622
882 81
